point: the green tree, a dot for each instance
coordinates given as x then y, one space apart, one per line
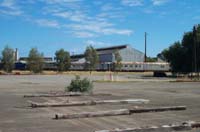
91 58
175 55
196 47
8 59
35 61
63 60
184 57
188 45
151 59
118 60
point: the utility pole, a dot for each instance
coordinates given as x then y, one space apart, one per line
145 52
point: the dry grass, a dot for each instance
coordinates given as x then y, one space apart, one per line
115 81
187 80
26 72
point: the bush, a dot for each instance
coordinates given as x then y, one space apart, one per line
80 85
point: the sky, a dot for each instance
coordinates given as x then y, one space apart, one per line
74 24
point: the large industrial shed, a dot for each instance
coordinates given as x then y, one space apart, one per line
107 56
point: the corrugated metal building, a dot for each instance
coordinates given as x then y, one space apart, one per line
127 53
107 56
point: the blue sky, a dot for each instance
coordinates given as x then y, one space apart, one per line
73 24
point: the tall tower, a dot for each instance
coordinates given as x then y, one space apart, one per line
16 55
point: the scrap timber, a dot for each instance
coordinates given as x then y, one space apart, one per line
90 102
94 114
186 126
62 94
118 112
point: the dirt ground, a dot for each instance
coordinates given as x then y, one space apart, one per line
15 116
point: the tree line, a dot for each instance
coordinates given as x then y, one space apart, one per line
35 60
184 56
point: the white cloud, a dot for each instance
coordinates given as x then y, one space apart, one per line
12 13
81 22
83 34
76 16
9 7
8 4
132 2
96 43
102 28
80 18
105 16
91 26
61 5
47 23
110 31
159 2
107 7
28 2
60 1
63 14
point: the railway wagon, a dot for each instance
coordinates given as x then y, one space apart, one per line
128 66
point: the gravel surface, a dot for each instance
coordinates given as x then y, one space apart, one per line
15 116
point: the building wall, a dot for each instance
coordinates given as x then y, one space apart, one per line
131 55
128 54
107 57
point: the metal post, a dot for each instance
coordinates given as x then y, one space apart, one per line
111 76
145 54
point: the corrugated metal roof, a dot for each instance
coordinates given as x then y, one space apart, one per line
113 48
101 49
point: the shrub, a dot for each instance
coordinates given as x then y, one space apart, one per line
80 85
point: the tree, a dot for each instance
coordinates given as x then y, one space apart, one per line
35 61
188 45
91 58
175 55
196 47
8 59
118 59
184 57
151 59
63 60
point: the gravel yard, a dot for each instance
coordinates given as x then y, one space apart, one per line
17 117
